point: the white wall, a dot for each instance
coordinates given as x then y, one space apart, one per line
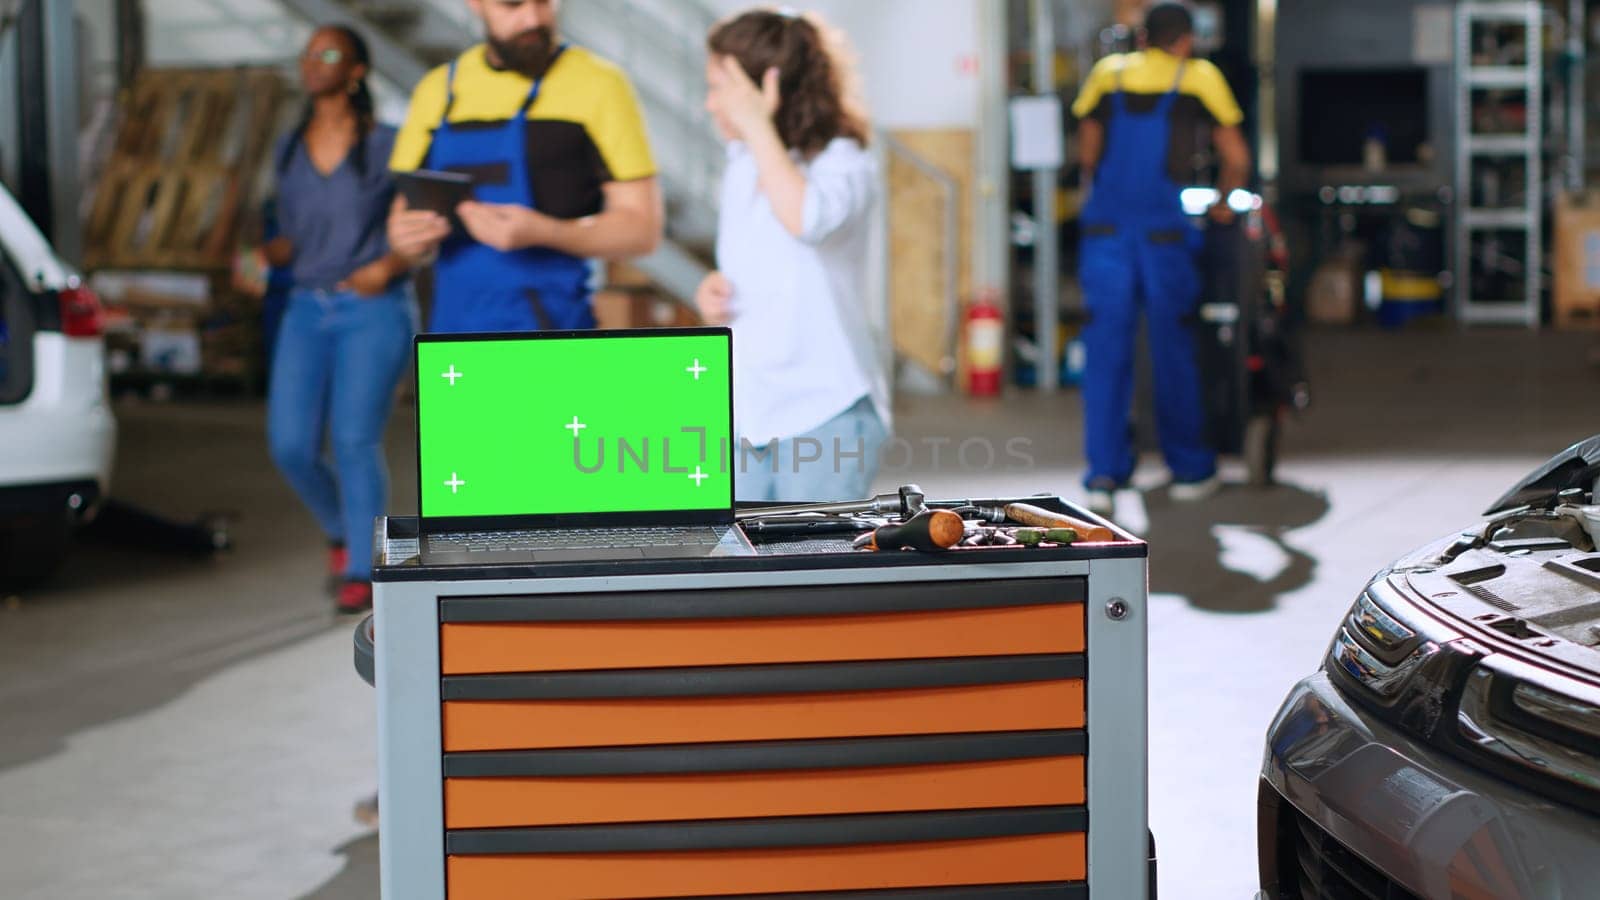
918 58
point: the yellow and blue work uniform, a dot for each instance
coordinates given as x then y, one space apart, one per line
550 144
1139 251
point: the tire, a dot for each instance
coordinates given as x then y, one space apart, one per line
1261 449
33 549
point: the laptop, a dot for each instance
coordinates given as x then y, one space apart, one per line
574 446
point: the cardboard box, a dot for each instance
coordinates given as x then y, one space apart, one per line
1334 295
639 309
620 275
1575 293
153 290
170 347
619 309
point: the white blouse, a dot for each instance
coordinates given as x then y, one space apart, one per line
803 343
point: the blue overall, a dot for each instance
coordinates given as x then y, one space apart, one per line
479 288
1140 250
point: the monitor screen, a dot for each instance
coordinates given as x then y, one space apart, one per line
1341 108
575 424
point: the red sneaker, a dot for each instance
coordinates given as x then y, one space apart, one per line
338 559
355 597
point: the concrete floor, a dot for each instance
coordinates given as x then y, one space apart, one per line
177 728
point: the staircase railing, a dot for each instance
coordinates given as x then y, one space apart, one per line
661 45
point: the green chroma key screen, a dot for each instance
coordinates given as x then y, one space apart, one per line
574 424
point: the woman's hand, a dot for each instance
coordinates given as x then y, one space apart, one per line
371 279
278 252
747 107
744 112
415 233
712 298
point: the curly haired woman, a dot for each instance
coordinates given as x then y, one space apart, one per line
811 394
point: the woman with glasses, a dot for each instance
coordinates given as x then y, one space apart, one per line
345 336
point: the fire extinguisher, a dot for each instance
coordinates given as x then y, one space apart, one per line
985 332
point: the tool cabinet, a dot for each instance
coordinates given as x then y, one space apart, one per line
810 722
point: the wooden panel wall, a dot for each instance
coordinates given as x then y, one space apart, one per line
916 241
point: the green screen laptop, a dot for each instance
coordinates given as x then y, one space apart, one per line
576 445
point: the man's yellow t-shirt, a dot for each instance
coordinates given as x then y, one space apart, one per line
583 131
1204 100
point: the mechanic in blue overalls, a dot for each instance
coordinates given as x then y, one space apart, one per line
1140 114
556 146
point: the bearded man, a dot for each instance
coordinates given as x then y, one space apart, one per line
553 139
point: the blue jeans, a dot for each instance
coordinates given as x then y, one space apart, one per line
1125 274
837 460
338 359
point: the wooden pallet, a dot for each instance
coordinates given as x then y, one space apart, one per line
187 155
153 217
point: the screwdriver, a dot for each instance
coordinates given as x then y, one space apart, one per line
1033 537
1028 514
931 529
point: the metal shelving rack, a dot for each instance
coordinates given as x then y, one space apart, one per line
1525 145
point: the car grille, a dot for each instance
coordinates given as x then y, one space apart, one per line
1314 866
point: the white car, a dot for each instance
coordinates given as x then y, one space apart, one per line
57 433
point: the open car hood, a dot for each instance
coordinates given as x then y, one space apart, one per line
1577 466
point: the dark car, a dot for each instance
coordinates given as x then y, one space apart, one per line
1450 744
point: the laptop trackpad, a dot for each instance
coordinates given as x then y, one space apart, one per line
581 554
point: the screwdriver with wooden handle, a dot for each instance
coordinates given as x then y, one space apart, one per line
1028 514
931 529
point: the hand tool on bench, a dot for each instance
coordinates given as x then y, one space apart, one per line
1013 536
1033 537
800 525
988 536
1028 514
904 503
931 529
994 515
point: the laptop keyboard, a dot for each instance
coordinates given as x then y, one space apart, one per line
577 538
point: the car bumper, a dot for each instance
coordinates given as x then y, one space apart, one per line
64 431
1347 797
25 501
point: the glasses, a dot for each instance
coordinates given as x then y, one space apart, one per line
328 57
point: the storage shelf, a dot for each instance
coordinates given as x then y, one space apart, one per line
1475 150
1497 219
1513 12
1500 145
1509 77
1500 312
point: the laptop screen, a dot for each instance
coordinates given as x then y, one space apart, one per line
591 426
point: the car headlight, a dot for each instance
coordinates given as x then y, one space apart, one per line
1384 640
1523 715
1522 722
1387 634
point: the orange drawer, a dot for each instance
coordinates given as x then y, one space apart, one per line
537 724
475 648
511 802
622 876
